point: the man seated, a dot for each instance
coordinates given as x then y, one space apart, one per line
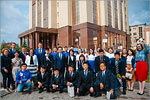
43 79
56 83
85 82
71 77
23 79
104 82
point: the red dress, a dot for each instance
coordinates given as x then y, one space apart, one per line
141 70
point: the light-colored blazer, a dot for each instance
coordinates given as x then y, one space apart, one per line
35 60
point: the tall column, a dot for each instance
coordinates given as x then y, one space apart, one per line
21 41
36 40
28 40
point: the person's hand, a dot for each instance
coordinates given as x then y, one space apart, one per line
39 84
20 82
77 90
28 81
54 86
65 68
37 69
5 70
91 90
68 83
144 42
111 91
96 74
51 68
101 86
134 69
123 77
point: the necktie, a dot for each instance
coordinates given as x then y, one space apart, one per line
101 59
103 77
60 56
24 55
117 69
71 75
85 74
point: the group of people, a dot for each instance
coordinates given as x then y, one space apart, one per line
94 71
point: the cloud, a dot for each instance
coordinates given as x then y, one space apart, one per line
14 19
138 12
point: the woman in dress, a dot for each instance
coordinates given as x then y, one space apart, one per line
91 60
130 69
6 70
16 62
32 63
141 66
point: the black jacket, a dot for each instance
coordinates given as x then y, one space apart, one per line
97 62
121 67
69 61
48 63
89 81
5 63
45 80
109 82
73 80
57 81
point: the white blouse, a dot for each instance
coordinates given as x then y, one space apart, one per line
35 60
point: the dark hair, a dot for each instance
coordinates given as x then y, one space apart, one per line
90 52
71 65
65 47
131 51
101 50
82 56
70 51
14 43
47 49
23 64
59 47
140 45
86 63
102 63
23 47
17 52
43 66
31 49
56 69
111 49
117 53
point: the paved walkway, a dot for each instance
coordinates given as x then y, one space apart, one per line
56 96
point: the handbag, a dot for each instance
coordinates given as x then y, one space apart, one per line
71 91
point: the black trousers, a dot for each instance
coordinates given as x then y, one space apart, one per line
124 84
6 84
57 89
84 88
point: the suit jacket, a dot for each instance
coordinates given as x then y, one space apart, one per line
121 67
82 81
69 61
57 81
39 55
97 62
11 53
73 80
47 63
60 63
5 63
44 80
109 82
21 55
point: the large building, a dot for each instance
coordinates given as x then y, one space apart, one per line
137 32
78 23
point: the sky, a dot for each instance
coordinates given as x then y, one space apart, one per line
14 17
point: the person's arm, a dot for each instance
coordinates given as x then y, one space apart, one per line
66 79
55 66
96 64
18 78
112 85
2 64
61 81
92 81
30 76
146 48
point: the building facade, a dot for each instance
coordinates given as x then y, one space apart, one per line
139 31
78 23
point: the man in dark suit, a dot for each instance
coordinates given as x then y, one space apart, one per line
57 81
47 61
43 79
117 67
85 81
39 52
12 50
23 54
71 77
104 82
99 59
60 61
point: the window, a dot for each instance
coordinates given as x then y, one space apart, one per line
134 33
